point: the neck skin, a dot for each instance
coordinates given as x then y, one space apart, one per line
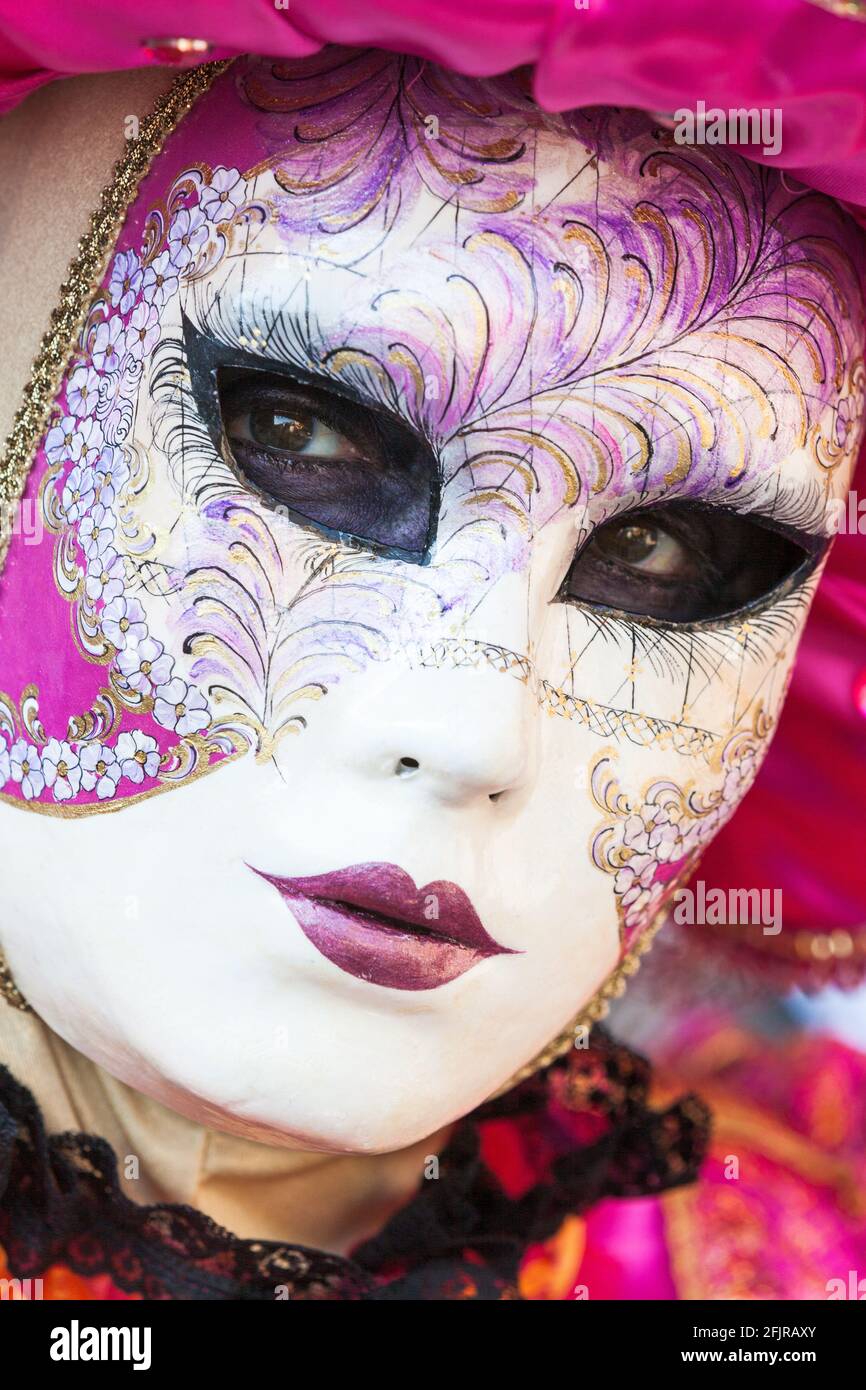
257 1192
324 1201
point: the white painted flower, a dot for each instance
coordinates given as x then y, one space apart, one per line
82 391
636 901
96 532
694 836
181 707
108 340
26 768
61 770
64 442
646 867
78 494
104 577
123 622
142 333
739 777
160 281
110 475
125 280
138 755
622 881
5 765
90 434
100 770
223 196
186 236
634 833
145 665
664 841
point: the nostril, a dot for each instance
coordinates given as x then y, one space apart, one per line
494 796
406 767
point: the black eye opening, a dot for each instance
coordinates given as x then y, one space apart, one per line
688 563
312 450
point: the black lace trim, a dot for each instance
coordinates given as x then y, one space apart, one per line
585 1120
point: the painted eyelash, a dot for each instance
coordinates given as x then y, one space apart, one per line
273 336
799 508
246 326
672 652
198 470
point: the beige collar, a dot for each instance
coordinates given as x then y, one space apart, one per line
255 1191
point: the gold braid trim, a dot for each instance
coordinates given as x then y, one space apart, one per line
82 282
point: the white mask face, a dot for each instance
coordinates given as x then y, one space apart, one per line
449 482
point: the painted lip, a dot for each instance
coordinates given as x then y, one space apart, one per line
372 922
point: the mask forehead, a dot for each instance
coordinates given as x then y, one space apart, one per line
578 265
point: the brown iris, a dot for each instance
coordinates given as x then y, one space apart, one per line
277 430
632 544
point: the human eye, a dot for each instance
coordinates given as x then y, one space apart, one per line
685 562
304 447
330 461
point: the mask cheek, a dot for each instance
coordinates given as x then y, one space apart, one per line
653 834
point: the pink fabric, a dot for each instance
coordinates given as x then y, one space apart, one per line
789 1223
787 53
801 828
626 1254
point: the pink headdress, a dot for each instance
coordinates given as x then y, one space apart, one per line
801 828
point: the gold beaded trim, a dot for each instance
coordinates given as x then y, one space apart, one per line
83 279
800 944
598 1007
9 990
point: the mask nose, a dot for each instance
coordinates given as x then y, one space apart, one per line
455 719
458 736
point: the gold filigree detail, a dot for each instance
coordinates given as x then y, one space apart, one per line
842 442
8 717
604 721
459 652
641 729
30 720
101 721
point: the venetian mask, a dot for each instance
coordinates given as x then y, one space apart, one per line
429 509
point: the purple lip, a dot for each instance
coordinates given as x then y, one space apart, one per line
372 922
